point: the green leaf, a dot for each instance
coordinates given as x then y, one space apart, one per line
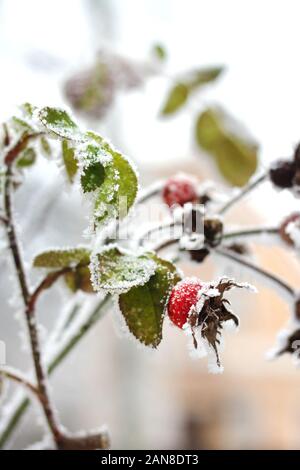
62 258
93 177
58 122
28 109
204 76
119 188
26 158
116 270
144 307
70 162
234 153
79 279
176 99
159 52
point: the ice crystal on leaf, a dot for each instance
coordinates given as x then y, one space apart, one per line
117 270
59 122
143 307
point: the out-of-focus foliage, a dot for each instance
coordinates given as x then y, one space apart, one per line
235 153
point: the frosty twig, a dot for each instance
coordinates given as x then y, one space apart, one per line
247 189
28 304
257 270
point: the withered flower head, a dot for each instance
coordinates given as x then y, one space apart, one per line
201 309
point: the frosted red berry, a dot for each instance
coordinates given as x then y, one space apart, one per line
183 296
179 190
295 217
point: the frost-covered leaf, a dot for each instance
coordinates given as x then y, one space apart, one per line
27 158
79 279
62 258
119 190
93 159
176 99
234 152
93 177
70 162
119 187
116 270
60 123
28 110
143 307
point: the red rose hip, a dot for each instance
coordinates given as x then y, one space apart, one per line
183 296
179 190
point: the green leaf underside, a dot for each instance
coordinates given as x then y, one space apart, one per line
70 162
118 271
143 307
59 122
235 155
62 258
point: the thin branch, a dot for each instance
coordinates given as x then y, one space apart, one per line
45 284
15 377
251 232
29 306
152 191
62 352
158 228
241 194
15 151
256 270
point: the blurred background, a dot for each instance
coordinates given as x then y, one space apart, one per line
161 399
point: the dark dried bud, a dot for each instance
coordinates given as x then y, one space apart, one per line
238 248
213 231
199 255
204 199
282 173
292 345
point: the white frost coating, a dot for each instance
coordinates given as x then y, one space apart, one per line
193 241
146 268
281 341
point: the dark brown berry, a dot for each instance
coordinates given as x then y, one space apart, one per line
213 231
199 255
282 173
